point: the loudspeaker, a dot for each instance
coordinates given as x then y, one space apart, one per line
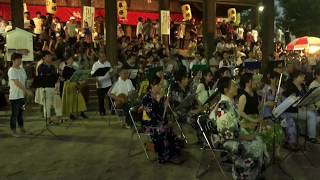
186 12
232 15
51 6
122 8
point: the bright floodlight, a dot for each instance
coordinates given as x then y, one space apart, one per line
261 8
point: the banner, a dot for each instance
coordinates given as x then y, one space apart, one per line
88 15
165 22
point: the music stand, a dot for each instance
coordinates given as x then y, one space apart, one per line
45 82
310 98
77 77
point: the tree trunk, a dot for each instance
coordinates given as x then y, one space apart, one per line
111 31
209 26
17 13
267 32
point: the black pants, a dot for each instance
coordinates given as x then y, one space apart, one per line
125 109
16 113
102 93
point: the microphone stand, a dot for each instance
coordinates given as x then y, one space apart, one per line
273 160
174 114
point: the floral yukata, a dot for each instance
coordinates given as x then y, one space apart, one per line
163 137
249 156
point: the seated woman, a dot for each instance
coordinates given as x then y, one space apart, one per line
296 87
205 89
162 135
268 99
182 96
248 151
249 101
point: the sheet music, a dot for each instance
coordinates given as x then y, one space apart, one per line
284 105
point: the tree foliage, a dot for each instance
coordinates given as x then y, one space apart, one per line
302 17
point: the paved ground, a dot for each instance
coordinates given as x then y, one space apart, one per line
92 151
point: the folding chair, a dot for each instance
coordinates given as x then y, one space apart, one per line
208 129
118 111
174 116
136 131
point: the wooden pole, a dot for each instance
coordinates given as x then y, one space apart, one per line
111 31
17 13
267 31
209 26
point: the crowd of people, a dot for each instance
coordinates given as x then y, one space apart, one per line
156 76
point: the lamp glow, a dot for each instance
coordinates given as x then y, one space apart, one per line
261 8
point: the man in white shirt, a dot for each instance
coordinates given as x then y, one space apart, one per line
255 35
17 82
123 85
28 24
103 82
38 24
240 32
122 88
139 27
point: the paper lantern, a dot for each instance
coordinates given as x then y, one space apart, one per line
186 12
122 8
51 6
232 15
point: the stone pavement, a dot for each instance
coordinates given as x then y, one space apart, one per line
91 150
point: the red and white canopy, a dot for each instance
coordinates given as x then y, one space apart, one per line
304 43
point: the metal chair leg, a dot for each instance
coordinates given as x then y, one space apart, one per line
200 172
137 132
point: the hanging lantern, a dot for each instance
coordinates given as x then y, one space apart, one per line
232 15
186 12
51 6
122 9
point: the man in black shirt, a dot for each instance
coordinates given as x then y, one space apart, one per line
49 77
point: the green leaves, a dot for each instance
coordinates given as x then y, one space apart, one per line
301 17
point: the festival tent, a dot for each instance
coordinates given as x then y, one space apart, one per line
310 44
